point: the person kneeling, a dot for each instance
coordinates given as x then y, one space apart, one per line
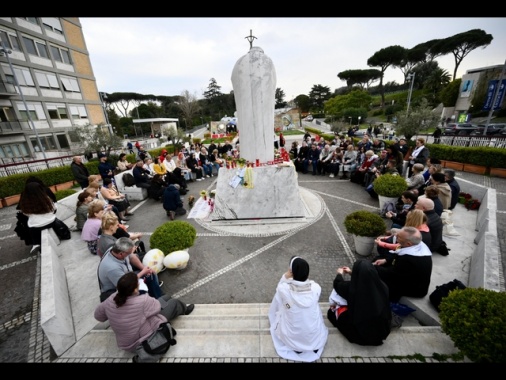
172 202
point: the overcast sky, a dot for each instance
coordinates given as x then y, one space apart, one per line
166 56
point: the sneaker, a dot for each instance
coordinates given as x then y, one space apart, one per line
208 176
199 179
331 176
189 309
160 284
172 214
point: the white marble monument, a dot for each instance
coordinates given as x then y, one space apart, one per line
265 191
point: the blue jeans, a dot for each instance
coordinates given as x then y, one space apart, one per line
153 285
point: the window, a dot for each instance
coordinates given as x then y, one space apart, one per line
63 141
47 142
78 112
60 55
14 150
35 111
10 40
70 84
33 20
37 48
23 76
57 111
53 24
47 80
7 114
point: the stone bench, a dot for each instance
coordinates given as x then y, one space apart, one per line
132 192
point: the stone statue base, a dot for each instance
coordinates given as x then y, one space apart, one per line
275 194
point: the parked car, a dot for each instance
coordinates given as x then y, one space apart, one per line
309 118
492 129
459 129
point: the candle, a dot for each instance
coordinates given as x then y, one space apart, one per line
257 162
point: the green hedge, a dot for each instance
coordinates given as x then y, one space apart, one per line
14 184
484 156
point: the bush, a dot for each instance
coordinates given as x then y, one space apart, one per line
364 223
475 320
60 194
173 236
388 185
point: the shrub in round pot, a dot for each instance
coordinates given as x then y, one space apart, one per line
173 236
475 320
365 227
390 186
364 223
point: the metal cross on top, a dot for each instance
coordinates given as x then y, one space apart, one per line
250 38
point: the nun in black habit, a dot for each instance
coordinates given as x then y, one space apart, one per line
360 308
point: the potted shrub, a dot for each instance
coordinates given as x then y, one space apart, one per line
389 188
365 226
173 236
474 318
174 239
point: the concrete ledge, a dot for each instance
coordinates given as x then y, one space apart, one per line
56 317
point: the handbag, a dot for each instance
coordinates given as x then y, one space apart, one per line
161 340
443 290
61 229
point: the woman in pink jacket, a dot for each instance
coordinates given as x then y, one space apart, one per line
134 317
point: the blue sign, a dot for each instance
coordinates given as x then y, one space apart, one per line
491 93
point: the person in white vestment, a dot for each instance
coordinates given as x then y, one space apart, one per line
296 322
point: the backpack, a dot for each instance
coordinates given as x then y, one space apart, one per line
388 206
442 291
128 179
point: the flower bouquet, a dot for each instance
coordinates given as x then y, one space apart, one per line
472 204
212 193
204 194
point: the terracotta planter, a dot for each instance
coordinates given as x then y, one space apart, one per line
453 165
478 169
12 200
498 172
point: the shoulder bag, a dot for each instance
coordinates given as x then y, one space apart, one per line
61 229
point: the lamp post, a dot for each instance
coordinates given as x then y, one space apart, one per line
6 52
410 78
103 96
359 118
349 117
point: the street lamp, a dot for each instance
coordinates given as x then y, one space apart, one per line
360 117
349 117
410 78
6 52
103 96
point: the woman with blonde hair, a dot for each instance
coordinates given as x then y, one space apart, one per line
92 225
417 218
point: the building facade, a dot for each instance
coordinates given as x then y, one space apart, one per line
48 58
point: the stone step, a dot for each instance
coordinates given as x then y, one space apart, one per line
242 331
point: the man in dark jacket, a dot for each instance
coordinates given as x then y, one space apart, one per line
172 202
408 274
142 176
105 169
80 171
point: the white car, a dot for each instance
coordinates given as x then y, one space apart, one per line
309 118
